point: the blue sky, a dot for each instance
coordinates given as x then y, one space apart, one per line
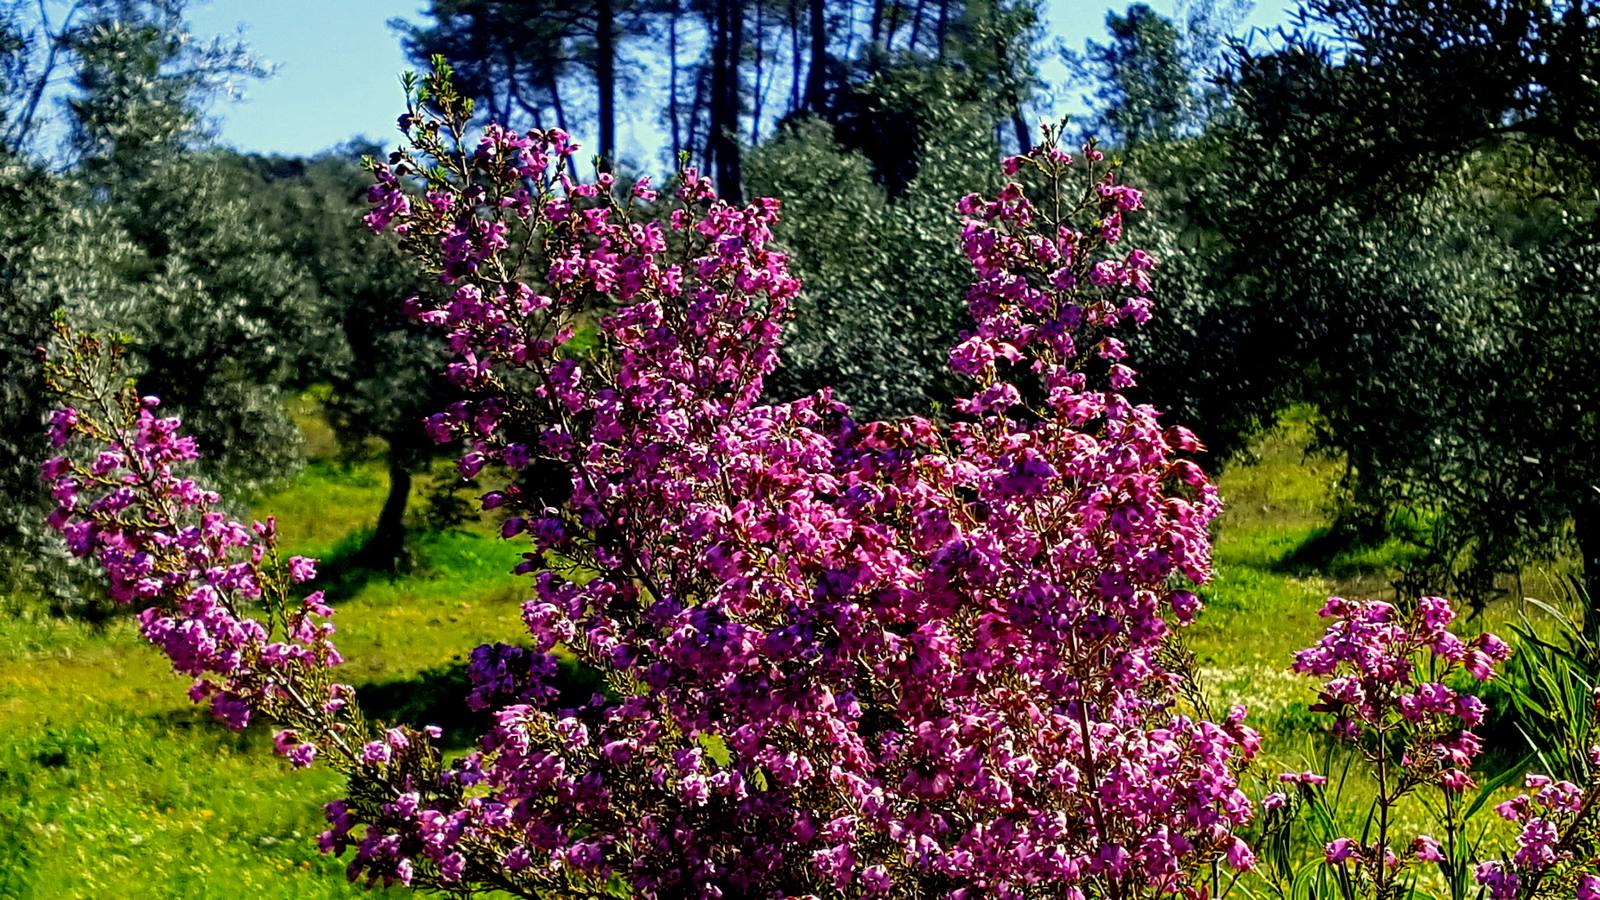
339 63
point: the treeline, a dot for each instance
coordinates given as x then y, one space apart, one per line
1387 212
238 281
715 76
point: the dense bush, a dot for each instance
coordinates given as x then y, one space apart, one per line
141 231
872 235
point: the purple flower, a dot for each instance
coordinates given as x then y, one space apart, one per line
302 569
1340 850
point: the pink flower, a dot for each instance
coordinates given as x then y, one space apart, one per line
302 569
1340 850
1426 849
1240 856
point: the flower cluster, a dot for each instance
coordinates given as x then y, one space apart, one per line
1556 846
123 498
837 657
1386 670
1378 690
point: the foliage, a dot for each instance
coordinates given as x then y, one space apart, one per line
1424 282
148 237
1446 355
1544 702
383 376
1150 77
734 68
38 274
889 158
1215 356
862 328
139 79
140 82
515 59
222 320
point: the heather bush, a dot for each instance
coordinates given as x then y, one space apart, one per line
837 657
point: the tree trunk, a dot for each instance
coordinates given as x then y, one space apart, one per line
695 143
758 88
727 46
1586 525
554 87
817 77
605 79
1013 93
387 546
730 169
795 76
849 30
718 73
534 111
892 27
1020 125
672 82
942 35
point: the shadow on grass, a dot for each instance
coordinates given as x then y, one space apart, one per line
438 696
470 561
1318 553
348 567
1343 551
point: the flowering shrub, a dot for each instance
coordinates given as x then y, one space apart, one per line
162 542
926 655
1388 687
1385 672
839 658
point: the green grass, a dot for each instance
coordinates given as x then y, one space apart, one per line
1258 613
112 784
1278 557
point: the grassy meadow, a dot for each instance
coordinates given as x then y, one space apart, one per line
113 785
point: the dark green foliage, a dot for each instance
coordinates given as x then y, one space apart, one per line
1542 702
1372 97
511 58
1391 215
1145 88
1156 79
140 82
150 238
386 377
221 315
33 233
885 280
1431 269
1210 357
516 58
869 193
